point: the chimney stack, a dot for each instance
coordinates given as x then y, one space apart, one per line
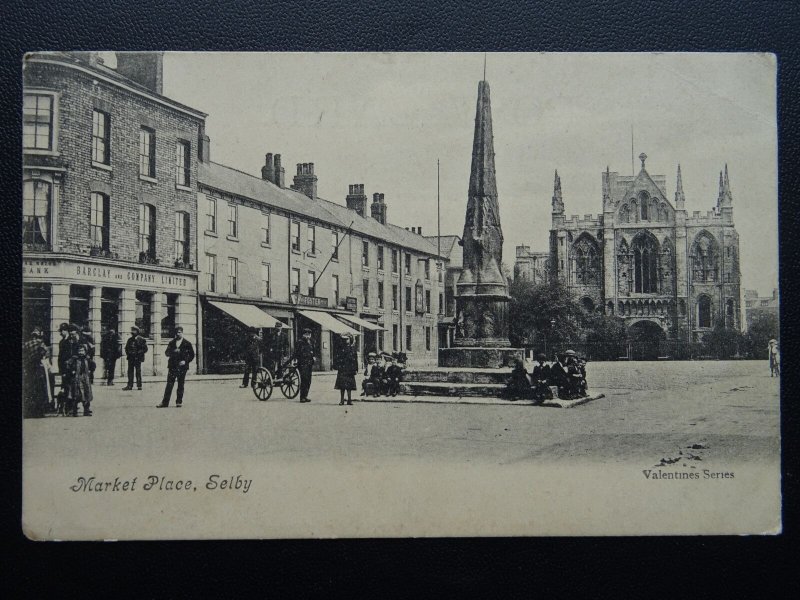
145 68
280 172
204 146
357 199
305 181
268 170
378 208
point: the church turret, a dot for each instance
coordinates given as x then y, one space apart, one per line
557 202
726 199
680 199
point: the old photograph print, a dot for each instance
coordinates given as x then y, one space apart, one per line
304 295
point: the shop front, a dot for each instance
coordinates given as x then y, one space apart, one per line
106 294
326 332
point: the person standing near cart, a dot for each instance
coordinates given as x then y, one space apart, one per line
304 355
347 367
252 356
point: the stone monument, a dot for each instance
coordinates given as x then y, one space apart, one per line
481 335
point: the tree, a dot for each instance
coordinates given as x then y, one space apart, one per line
722 342
605 336
543 314
762 329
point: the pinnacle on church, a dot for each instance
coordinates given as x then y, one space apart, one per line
679 197
727 197
558 204
557 185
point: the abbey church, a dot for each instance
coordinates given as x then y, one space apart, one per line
671 275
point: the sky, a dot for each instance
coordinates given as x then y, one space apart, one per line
384 119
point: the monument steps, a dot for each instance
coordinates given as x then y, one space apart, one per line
436 388
457 376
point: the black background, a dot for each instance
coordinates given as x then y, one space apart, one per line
376 568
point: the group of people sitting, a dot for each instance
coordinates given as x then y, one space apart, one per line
383 374
566 376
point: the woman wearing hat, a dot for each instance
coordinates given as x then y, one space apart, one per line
347 366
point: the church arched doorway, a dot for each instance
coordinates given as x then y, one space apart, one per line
645 340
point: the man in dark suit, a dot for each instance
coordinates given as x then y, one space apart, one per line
252 357
304 355
110 351
180 353
558 375
135 349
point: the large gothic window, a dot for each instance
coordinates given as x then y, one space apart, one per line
586 261
704 311
645 264
705 258
645 206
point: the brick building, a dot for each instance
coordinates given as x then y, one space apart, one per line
671 275
109 199
756 306
309 262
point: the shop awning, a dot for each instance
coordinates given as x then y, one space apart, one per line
247 314
327 321
362 323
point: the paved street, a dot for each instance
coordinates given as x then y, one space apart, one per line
387 468
650 411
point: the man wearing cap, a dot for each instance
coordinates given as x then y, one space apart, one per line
304 355
540 378
393 374
135 349
558 375
87 339
347 367
252 356
180 353
276 348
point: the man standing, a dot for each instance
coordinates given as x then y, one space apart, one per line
180 353
135 349
540 378
252 356
110 351
558 375
87 340
275 349
304 355
80 388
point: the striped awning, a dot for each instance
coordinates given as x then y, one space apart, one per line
327 321
362 323
247 314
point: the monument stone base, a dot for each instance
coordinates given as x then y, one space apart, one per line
479 357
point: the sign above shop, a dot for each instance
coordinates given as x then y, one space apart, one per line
351 303
312 301
56 270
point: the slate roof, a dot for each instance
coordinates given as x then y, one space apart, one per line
238 183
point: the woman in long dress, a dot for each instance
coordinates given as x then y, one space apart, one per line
347 366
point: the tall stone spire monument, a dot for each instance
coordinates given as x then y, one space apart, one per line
481 336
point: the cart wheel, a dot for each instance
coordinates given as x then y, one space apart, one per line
290 383
262 384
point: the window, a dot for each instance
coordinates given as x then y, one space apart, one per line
101 137
296 236
335 289
36 213
211 214
395 337
364 254
295 281
182 241
704 311
266 292
334 245
147 232
705 258
233 224
408 299
408 338
312 283
211 272
144 312
395 298
233 275
147 152
407 269
79 304
380 258
381 340
98 220
37 118
730 321
380 294
427 301
439 269
765 303
365 288
394 262
427 268
441 304
183 163
265 228
586 261
312 239
428 339
645 264
168 320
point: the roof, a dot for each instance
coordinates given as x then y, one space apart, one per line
232 181
448 242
